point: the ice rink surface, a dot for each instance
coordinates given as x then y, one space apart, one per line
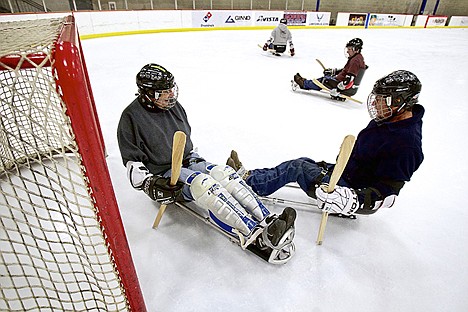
412 257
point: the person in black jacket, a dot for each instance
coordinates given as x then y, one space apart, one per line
385 156
145 133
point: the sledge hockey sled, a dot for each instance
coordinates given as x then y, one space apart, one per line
272 51
295 87
270 255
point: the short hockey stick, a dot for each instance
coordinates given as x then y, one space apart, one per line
321 85
268 50
343 157
178 146
321 64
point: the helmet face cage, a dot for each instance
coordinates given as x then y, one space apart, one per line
379 106
164 99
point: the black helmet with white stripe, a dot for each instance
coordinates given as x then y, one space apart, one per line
156 87
398 89
356 44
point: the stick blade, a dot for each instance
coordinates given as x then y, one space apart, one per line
321 64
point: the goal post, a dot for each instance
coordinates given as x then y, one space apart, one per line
62 241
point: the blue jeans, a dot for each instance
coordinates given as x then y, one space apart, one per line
310 85
303 170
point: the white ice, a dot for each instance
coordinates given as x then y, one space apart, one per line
412 257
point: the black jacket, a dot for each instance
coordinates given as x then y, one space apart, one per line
146 136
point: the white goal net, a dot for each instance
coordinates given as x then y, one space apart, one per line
59 222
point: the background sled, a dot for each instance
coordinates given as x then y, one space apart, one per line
325 91
321 85
273 51
322 93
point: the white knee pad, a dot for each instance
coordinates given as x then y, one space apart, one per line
237 187
210 195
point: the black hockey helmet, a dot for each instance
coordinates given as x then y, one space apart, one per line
153 80
399 89
284 21
154 77
403 86
356 44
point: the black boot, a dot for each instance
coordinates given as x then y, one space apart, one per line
275 231
299 80
234 162
278 225
288 215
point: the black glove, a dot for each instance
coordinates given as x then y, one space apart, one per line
265 47
292 52
329 72
160 189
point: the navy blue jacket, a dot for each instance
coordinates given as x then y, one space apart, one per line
386 155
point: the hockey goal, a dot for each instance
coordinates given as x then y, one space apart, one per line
62 242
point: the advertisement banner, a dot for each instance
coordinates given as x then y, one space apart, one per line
357 19
318 18
238 18
204 19
386 20
221 18
459 21
436 21
266 18
296 18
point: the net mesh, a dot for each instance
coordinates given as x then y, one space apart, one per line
53 254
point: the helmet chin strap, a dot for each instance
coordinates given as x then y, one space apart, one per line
401 109
146 101
401 113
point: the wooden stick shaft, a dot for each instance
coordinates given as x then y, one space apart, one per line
178 146
323 225
343 157
161 210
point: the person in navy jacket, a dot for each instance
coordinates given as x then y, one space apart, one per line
386 154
